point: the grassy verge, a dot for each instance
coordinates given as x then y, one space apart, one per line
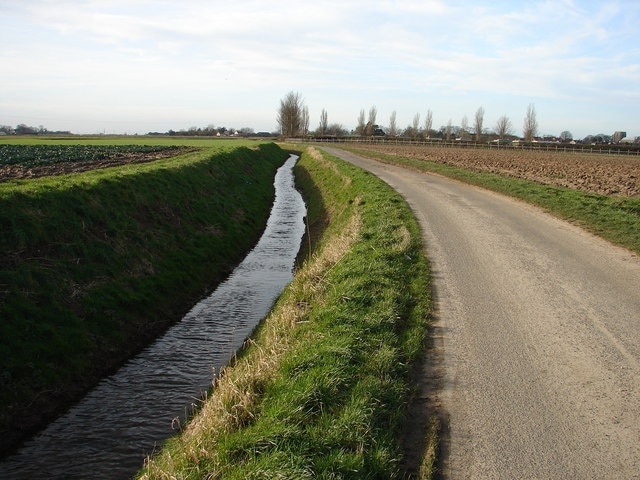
613 218
321 389
94 265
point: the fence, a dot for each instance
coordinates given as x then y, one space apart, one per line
540 146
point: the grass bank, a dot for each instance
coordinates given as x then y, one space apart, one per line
94 265
322 387
614 218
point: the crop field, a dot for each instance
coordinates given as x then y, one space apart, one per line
34 160
593 173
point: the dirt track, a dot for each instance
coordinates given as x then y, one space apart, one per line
596 173
537 326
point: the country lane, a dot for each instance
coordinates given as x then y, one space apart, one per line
538 328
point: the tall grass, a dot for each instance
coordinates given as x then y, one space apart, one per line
321 389
94 265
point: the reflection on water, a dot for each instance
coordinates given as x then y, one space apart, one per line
110 432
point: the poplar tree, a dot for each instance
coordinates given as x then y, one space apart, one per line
477 123
393 126
530 127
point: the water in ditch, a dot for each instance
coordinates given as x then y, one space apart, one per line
128 415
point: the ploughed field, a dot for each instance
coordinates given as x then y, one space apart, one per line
596 173
30 161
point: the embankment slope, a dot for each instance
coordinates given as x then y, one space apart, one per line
96 264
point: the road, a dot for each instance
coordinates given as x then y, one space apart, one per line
538 327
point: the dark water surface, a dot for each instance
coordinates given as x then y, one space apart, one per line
111 431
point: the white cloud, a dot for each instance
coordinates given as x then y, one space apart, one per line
343 53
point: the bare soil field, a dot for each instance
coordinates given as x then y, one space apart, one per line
596 173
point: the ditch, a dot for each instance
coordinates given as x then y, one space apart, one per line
130 414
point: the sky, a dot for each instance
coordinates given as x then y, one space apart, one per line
135 66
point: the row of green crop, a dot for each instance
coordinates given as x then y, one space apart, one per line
36 155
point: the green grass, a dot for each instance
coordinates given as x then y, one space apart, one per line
614 218
96 264
321 390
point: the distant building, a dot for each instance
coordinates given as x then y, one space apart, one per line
618 136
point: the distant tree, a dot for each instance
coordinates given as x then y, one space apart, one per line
336 129
305 121
415 126
503 126
324 122
447 131
530 127
566 136
209 130
477 123
596 139
464 127
371 123
360 128
393 126
290 114
428 123
246 132
23 129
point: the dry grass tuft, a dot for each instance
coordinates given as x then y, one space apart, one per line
325 163
238 389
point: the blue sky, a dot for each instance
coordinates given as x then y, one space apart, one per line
136 66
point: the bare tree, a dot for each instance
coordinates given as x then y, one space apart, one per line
566 136
477 123
447 132
415 126
336 129
503 126
360 128
530 128
304 122
371 123
290 114
464 127
428 123
324 123
393 126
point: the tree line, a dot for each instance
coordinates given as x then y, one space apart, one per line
293 121
208 131
23 129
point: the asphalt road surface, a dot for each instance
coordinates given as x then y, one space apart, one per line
538 328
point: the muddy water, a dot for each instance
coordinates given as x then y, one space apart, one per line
128 415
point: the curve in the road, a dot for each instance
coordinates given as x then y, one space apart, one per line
539 325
